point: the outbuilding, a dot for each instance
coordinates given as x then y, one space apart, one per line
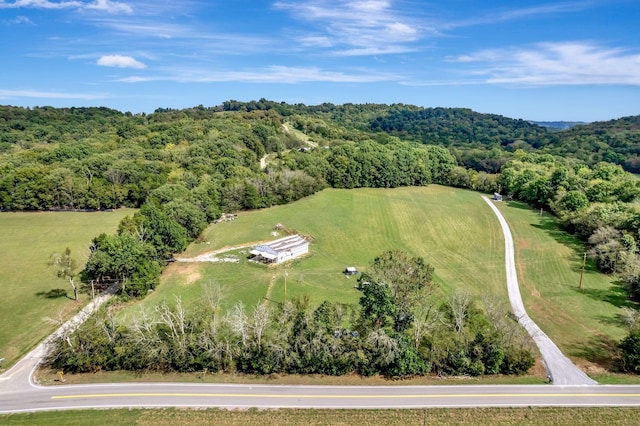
350 270
281 250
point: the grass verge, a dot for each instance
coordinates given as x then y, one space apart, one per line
586 323
49 377
284 417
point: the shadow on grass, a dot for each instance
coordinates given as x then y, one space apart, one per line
618 320
616 295
519 205
598 349
54 293
551 227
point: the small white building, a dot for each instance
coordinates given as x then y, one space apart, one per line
281 250
350 270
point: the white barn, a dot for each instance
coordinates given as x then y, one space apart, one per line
281 250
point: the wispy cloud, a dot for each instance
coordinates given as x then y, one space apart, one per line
355 27
109 6
19 20
99 5
272 74
187 39
120 61
546 64
497 16
12 94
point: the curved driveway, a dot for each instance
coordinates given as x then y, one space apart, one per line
559 368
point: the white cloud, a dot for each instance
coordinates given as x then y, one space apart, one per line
358 26
120 61
374 50
19 20
272 74
316 41
8 94
567 63
401 30
109 6
40 4
100 5
496 16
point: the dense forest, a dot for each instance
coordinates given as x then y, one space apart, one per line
184 168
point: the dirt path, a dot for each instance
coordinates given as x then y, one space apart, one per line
267 295
212 256
560 369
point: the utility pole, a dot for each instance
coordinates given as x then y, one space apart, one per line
584 262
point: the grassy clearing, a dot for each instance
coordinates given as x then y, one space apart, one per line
459 416
31 304
452 229
585 323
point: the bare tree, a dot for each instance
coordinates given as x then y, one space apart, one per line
261 316
237 319
115 176
505 323
631 318
214 295
386 346
426 318
175 319
460 303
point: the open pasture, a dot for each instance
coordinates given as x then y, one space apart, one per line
31 302
452 229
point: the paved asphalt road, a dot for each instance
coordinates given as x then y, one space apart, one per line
264 396
18 393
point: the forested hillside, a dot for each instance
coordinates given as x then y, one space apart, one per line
484 142
183 168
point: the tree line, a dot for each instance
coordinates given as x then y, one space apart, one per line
597 204
403 326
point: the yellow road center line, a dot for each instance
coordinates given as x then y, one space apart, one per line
251 395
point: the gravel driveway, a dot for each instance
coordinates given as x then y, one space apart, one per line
559 368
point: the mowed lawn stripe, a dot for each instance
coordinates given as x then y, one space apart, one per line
452 229
350 228
549 261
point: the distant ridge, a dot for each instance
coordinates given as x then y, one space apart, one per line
560 125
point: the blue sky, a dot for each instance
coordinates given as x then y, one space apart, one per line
536 60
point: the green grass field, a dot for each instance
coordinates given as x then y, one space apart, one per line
585 322
459 416
29 311
452 229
